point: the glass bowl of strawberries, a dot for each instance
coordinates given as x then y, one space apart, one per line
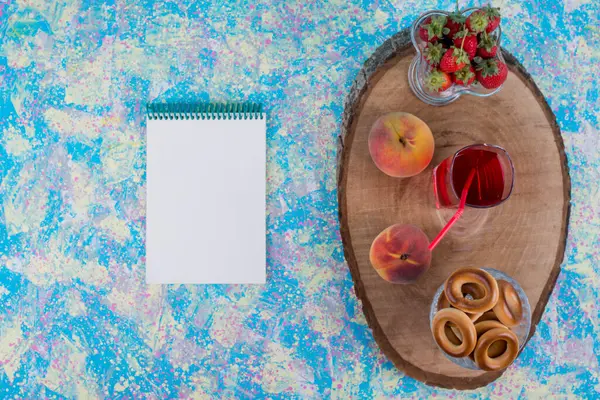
457 53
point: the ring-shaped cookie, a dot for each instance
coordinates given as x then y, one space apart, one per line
474 290
444 303
489 338
453 289
464 325
496 348
509 308
482 327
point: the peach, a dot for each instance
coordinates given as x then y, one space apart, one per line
400 254
401 145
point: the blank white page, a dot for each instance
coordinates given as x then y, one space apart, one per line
205 203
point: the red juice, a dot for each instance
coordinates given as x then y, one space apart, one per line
487 187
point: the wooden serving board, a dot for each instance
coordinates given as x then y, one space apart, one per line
524 237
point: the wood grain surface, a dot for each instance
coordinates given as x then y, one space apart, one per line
524 237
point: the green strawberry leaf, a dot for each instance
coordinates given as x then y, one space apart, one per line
433 53
432 32
435 81
488 68
464 74
492 12
478 21
457 17
460 56
436 27
439 20
488 42
461 33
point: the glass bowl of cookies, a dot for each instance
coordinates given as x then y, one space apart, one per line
480 318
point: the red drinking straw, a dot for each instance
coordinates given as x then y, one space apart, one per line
458 214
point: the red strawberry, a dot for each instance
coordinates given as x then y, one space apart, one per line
487 47
433 28
433 53
455 23
454 59
478 21
463 40
423 30
493 15
438 81
464 76
484 53
491 73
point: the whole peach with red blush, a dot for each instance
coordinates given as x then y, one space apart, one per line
400 253
401 145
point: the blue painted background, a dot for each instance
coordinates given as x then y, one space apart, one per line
77 320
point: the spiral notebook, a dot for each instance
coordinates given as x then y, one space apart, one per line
205 199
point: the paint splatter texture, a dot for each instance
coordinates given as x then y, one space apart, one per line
77 320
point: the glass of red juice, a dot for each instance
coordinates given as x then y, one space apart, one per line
492 183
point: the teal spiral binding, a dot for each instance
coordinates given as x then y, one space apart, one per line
160 111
